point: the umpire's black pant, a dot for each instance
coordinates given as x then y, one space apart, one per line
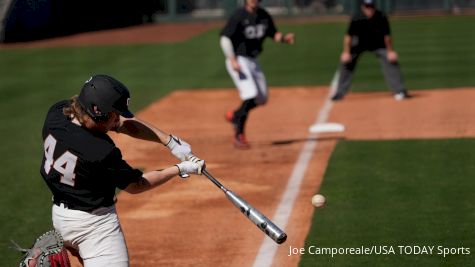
391 71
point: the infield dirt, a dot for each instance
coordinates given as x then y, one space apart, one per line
186 222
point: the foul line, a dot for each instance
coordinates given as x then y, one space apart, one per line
268 248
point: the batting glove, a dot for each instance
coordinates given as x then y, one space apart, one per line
179 148
193 165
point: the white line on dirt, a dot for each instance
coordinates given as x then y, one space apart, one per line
268 248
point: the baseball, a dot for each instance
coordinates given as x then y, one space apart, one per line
318 200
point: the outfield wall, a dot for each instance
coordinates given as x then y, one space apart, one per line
26 20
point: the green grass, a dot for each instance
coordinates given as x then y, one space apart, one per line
397 193
435 52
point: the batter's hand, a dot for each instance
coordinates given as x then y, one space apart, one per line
193 165
179 148
235 65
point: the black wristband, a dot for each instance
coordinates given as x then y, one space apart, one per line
169 140
179 171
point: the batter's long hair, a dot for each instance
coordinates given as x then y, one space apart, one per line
76 110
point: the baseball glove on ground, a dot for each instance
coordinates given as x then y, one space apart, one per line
47 251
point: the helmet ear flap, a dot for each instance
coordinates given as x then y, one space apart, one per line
98 116
95 114
101 118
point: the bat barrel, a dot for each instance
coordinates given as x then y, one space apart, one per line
267 226
259 219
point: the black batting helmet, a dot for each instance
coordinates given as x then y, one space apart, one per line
102 94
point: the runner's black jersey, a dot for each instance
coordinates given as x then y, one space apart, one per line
247 31
82 168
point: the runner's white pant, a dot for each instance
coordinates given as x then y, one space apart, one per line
250 82
97 235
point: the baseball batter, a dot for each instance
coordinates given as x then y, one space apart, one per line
83 167
241 42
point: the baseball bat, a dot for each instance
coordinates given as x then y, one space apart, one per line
255 216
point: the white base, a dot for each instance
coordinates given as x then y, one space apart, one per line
327 127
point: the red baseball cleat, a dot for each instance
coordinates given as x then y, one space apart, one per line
229 116
241 142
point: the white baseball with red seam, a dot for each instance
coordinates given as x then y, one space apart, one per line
318 200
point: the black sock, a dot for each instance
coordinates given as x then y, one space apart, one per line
241 114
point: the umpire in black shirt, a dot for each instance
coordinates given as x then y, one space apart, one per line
369 30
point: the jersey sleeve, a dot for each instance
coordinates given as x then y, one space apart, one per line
386 29
119 171
272 29
353 27
231 26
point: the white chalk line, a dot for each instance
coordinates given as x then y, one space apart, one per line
268 248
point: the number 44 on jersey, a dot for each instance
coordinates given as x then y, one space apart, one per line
64 164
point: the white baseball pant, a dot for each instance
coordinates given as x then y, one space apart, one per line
250 82
97 235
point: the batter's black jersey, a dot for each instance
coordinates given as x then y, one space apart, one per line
247 31
369 32
82 168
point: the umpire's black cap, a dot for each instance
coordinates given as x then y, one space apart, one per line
102 94
369 3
